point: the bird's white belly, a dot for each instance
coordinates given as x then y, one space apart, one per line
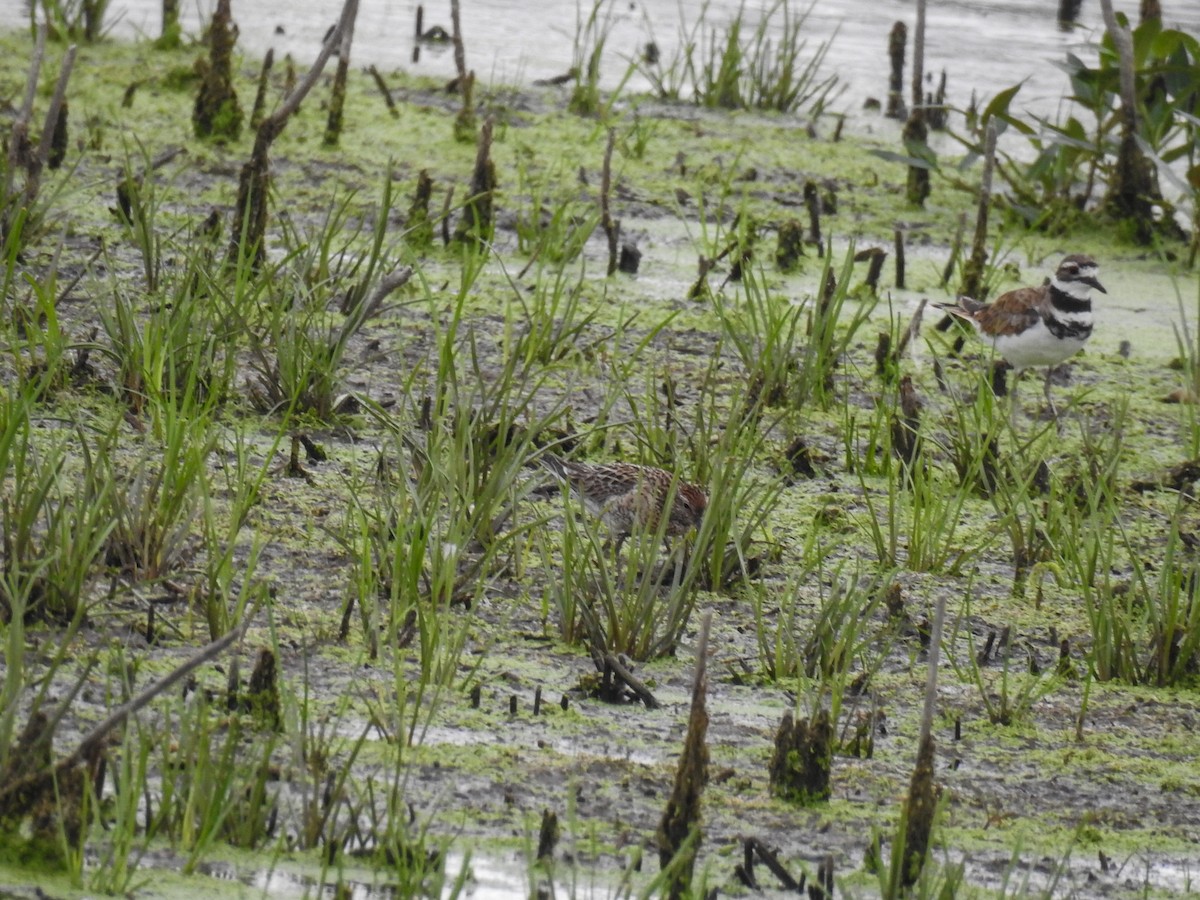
1036 346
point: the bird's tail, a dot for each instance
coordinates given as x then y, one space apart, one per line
962 308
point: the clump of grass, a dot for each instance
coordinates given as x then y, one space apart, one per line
24 210
139 207
735 67
829 332
634 604
640 604
426 546
591 37
838 647
553 325
430 538
1009 698
1146 630
301 344
43 356
764 330
181 351
916 523
551 228
216 780
719 436
74 20
155 506
55 528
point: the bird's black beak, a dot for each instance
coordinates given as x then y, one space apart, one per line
1093 282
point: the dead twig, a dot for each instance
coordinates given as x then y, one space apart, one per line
613 663
35 784
612 230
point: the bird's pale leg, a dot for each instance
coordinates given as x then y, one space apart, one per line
680 553
1014 405
1050 402
612 545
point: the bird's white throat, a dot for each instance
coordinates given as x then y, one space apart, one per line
1077 290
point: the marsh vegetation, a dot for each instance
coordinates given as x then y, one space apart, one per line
270 417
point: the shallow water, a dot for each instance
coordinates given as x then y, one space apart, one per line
984 46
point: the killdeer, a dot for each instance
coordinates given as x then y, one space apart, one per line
1037 326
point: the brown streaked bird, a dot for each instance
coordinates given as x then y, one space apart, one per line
1038 326
627 497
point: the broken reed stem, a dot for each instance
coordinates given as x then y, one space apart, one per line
386 285
446 216
935 652
337 97
548 835
936 112
899 240
906 428
972 283
260 96
1123 43
918 67
170 18
756 847
56 102
464 122
802 761
955 249
679 830
477 223
37 161
916 132
921 804
611 228
383 89
914 327
163 158
612 662
812 202
291 103
460 54
31 83
919 809
1132 193
877 256
18 139
216 112
1068 11
419 225
250 213
897 41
